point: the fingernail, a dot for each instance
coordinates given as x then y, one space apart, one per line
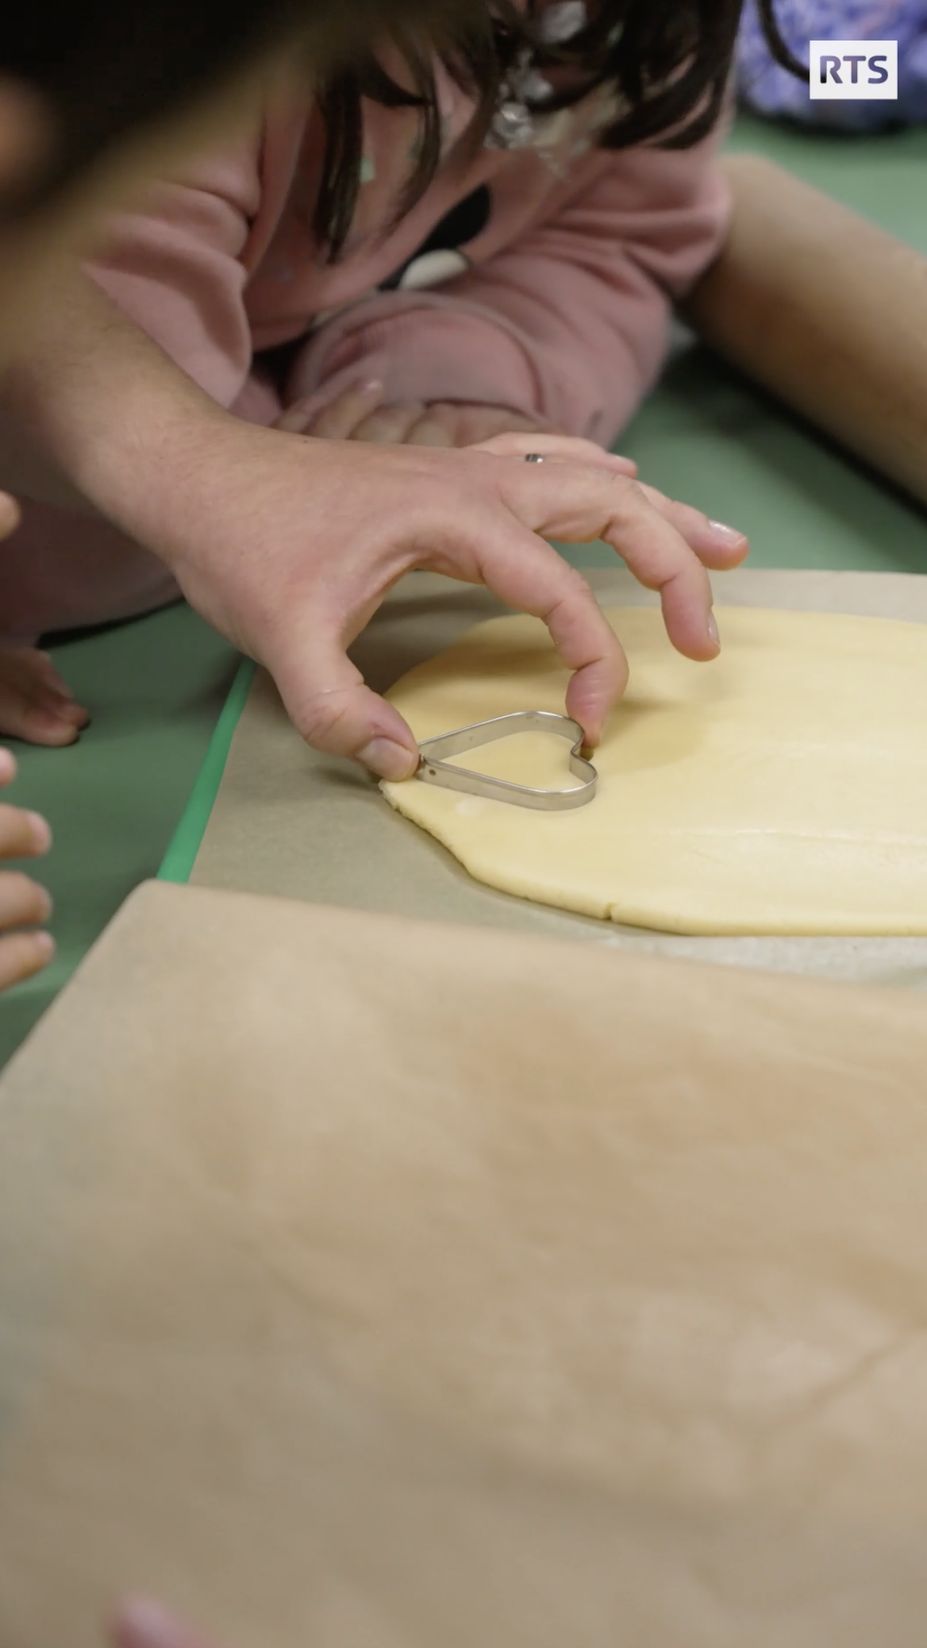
41 834
388 759
372 386
7 766
713 635
727 534
45 945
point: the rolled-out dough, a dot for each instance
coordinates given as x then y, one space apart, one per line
781 789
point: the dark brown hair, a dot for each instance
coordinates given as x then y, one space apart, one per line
766 11
667 60
107 68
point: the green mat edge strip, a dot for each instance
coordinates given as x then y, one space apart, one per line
177 863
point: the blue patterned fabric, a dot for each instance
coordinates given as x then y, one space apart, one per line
769 90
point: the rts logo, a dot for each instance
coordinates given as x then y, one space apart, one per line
851 69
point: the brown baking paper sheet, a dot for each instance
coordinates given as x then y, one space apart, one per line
374 1284
291 822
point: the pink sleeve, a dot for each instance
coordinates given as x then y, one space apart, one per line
175 267
569 324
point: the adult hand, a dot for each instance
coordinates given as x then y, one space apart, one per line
288 545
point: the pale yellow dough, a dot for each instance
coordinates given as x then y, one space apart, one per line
782 789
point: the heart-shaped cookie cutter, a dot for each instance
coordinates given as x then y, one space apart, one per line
434 768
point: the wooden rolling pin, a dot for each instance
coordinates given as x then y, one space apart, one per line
825 310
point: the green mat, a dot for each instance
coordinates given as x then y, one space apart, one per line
156 687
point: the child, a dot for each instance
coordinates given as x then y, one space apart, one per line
54 126
67 116
388 248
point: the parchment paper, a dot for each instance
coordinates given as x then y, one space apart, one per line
375 1284
291 822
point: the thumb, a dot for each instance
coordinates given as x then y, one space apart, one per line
329 704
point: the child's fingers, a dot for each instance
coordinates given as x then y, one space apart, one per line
296 420
339 421
467 423
23 903
389 425
22 955
556 449
431 429
447 423
23 834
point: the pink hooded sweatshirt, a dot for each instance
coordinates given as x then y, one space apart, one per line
539 279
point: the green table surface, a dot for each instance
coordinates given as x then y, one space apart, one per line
155 689
120 801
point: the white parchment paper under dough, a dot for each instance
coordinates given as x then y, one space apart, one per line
291 822
376 1284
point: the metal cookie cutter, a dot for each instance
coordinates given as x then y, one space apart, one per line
434 769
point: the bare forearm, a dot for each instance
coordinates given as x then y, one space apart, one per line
91 408
825 310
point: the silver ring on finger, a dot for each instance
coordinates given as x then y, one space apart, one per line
534 457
